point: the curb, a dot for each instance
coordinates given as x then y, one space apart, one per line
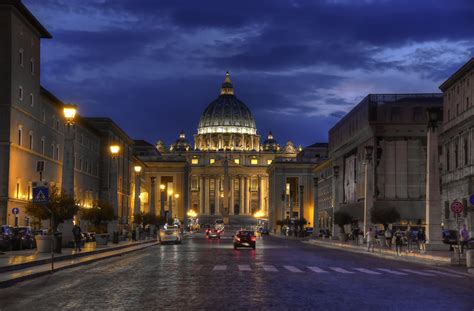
8 283
21 266
427 261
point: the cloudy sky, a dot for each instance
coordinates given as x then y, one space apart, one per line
154 65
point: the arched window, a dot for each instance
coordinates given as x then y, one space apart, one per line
20 57
20 134
32 66
30 140
32 100
20 93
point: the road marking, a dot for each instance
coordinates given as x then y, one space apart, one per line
391 271
244 268
417 272
341 270
445 273
317 270
367 271
293 269
220 268
270 268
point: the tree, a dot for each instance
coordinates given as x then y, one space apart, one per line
341 219
99 215
384 216
60 207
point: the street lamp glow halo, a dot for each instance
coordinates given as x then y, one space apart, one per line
138 169
162 187
114 149
69 112
176 195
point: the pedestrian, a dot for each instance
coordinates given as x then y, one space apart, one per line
77 233
370 235
464 236
398 242
422 240
388 238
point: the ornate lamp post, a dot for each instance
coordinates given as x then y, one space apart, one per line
113 188
67 186
138 170
176 196
170 204
367 193
315 206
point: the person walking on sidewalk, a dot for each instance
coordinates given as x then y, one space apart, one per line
422 240
464 235
77 233
370 235
388 238
398 242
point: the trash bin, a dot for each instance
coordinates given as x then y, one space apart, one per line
115 238
58 239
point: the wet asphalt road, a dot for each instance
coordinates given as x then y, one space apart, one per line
209 275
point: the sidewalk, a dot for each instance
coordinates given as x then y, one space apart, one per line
430 257
21 265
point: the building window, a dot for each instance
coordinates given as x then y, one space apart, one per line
44 116
195 161
212 161
32 66
447 158
456 154
395 114
466 152
467 103
20 93
42 145
57 152
20 57
17 195
237 161
30 141
449 115
269 162
32 100
418 114
57 125
457 110
20 134
253 161
29 197
52 150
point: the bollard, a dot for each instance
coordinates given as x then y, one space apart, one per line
470 258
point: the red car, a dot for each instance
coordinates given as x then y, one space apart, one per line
245 238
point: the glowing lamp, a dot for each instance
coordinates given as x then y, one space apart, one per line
138 169
69 113
114 150
162 187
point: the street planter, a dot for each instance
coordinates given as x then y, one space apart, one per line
101 239
43 243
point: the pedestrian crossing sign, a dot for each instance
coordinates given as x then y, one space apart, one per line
40 195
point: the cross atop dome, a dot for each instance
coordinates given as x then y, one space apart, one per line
227 88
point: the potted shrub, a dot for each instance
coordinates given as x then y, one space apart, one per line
60 207
99 215
341 219
384 216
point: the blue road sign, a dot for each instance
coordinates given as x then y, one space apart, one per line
40 195
15 211
471 199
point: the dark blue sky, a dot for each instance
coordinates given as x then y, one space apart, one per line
154 65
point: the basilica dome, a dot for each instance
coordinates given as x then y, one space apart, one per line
227 114
227 124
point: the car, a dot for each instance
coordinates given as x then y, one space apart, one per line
245 238
308 231
23 238
6 235
264 231
170 235
214 234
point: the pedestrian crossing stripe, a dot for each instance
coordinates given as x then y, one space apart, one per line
318 270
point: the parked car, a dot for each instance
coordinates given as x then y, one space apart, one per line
23 238
170 235
6 235
263 231
245 238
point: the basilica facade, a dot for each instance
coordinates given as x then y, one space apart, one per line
222 175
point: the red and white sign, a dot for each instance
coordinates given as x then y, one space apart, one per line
457 207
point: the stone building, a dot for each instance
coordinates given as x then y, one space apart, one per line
325 183
458 145
224 174
387 134
33 130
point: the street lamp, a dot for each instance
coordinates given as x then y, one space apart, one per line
162 203
69 111
138 170
113 189
335 174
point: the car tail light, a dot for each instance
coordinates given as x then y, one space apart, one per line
254 238
237 239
